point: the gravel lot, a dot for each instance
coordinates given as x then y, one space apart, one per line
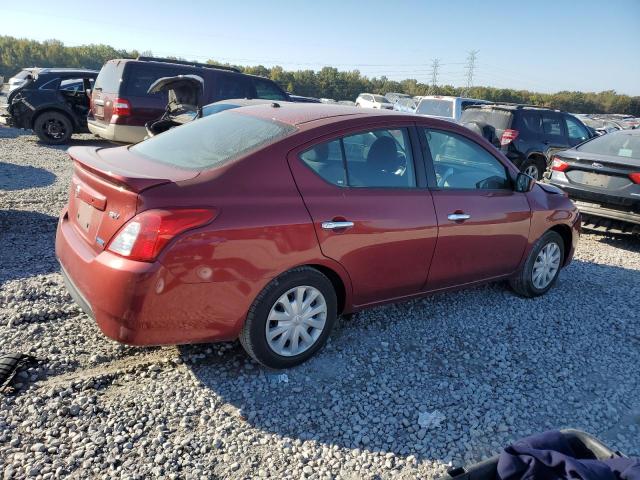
492 366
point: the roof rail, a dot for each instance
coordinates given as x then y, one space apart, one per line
186 62
518 105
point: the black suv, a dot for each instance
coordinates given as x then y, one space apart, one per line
53 102
121 104
527 135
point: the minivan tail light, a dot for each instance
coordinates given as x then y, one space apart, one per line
635 177
121 107
559 165
508 136
145 235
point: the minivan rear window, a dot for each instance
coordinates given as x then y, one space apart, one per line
109 77
212 141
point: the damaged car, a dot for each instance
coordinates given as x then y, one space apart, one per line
53 102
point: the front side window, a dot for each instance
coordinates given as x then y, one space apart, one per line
576 131
375 159
462 164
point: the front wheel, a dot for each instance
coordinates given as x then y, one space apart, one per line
290 319
53 128
542 267
534 168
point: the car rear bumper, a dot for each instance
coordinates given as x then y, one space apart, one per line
141 303
117 133
599 204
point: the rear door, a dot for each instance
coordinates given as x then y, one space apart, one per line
483 223
371 212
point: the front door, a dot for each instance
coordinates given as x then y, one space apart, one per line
483 223
370 211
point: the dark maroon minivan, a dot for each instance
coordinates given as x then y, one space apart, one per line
121 106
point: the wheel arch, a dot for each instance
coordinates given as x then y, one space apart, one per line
567 238
338 284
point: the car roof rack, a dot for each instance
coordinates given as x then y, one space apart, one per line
511 104
186 62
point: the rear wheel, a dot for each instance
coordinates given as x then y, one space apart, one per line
534 167
542 267
53 128
290 319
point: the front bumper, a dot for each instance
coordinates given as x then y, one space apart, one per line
141 303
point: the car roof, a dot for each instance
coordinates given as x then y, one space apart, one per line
66 70
297 114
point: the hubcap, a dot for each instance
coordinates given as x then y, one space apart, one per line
546 265
296 321
532 171
54 129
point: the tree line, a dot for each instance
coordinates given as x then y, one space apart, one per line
329 82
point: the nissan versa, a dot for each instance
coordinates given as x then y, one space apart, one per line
266 222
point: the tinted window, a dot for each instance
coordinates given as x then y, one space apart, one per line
326 160
109 77
462 164
231 86
551 124
377 158
619 144
212 141
575 130
140 76
267 90
531 121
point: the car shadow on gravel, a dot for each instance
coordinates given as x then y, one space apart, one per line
27 244
23 177
625 241
497 367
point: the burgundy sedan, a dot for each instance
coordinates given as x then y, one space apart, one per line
265 223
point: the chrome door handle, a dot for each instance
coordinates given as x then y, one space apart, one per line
336 225
456 217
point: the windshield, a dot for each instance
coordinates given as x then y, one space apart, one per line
212 141
437 108
618 144
380 99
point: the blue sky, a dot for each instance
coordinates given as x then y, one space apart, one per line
537 45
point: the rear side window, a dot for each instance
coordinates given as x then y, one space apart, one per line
231 86
375 159
109 77
267 90
212 141
551 125
531 122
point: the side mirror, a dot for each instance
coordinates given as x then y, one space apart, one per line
524 183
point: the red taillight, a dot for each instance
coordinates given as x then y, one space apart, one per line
146 234
635 177
508 136
121 107
559 165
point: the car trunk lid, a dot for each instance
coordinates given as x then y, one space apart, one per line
599 171
105 189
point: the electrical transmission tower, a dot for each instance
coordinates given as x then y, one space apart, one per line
471 67
435 67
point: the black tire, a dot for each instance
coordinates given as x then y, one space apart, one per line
522 282
537 163
53 128
253 336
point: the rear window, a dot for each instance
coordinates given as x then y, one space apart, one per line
109 77
498 119
437 108
621 144
212 141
